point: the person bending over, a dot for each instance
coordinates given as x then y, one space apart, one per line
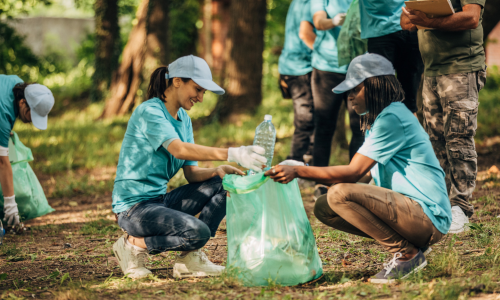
158 142
408 210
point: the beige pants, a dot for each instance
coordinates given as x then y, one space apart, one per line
395 221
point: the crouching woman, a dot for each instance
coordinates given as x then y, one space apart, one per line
157 144
409 209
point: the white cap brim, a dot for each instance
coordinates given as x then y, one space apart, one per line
347 85
209 85
39 121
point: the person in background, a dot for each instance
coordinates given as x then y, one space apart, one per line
328 16
380 24
455 72
408 210
31 102
295 71
157 144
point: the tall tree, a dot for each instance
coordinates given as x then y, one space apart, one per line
491 16
107 47
148 42
243 71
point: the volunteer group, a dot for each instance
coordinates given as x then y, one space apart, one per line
376 56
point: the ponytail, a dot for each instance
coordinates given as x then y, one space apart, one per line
158 85
18 92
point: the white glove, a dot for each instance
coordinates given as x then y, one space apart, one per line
339 19
291 162
11 213
249 157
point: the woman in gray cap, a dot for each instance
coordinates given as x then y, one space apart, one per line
409 209
31 103
157 144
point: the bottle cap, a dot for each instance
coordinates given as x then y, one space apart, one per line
268 118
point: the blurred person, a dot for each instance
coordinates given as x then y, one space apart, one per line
31 103
157 144
455 72
295 75
380 24
408 209
328 16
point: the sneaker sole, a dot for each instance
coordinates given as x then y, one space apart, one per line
177 273
429 250
381 281
464 229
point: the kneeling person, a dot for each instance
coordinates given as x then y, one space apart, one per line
408 210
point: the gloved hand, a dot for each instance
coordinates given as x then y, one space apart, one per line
339 19
11 213
250 157
291 162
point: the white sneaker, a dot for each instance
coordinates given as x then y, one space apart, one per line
458 220
195 264
130 258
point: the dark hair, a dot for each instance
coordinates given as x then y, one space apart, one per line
158 86
18 91
380 92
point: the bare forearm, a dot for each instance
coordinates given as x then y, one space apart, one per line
456 22
306 34
329 175
321 21
193 152
200 174
6 178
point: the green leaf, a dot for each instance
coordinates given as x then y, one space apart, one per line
65 276
3 276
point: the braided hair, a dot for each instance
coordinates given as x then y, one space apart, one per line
380 92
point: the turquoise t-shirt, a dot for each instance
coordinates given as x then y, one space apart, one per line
295 59
325 53
8 111
145 166
406 162
380 17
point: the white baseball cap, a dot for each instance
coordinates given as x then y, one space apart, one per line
363 67
195 68
40 100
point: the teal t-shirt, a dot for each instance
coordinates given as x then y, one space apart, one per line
295 59
325 53
380 17
145 166
406 162
9 111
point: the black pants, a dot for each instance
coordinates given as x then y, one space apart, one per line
326 110
401 48
303 118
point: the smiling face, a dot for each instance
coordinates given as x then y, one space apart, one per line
24 111
188 93
357 99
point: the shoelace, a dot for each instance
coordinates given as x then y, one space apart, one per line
392 263
203 257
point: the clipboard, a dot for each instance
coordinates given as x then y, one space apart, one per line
432 8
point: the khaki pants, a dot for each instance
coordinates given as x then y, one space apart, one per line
395 221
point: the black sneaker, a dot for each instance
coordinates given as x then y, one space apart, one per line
396 269
426 250
319 190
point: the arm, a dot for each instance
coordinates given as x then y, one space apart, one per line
6 177
467 19
195 174
405 23
321 21
193 152
306 34
352 173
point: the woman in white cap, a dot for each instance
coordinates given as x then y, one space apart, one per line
31 103
158 142
409 209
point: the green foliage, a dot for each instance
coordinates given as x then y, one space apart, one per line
489 106
183 32
12 8
99 227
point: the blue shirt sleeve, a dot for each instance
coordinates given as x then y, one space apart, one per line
190 139
5 129
156 127
306 12
317 5
385 139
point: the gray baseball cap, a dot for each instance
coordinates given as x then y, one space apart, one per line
363 67
40 100
195 68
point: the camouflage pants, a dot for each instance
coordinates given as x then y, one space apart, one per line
450 104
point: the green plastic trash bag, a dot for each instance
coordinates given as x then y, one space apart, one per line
269 238
349 42
30 197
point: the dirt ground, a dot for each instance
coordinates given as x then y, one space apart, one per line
67 255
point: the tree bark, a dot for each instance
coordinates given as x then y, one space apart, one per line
243 70
491 16
107 49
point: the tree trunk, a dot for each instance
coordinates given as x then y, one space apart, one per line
243 71
339 137
491 16
107 49
128 78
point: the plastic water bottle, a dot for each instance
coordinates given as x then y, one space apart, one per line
265 136
2 232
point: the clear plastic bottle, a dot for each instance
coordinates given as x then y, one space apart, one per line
2 232
265 136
